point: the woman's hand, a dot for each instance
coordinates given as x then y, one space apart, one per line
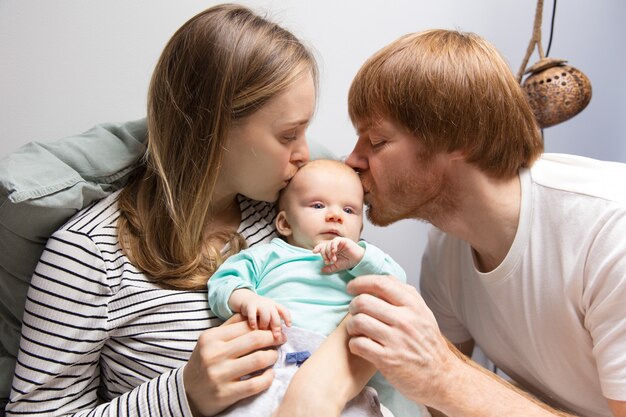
222 356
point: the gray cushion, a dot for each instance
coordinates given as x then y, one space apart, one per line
41 187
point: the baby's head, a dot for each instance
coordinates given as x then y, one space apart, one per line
322 201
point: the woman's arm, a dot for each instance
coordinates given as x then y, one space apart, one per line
339 376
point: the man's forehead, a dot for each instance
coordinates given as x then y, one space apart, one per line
372 124
363 125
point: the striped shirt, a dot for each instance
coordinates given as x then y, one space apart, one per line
99 338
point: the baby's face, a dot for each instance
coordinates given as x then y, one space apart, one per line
323 201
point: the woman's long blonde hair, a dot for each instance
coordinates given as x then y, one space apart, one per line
218 68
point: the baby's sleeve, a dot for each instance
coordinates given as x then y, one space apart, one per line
238 271
377 262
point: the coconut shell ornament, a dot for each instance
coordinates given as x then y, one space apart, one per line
556 91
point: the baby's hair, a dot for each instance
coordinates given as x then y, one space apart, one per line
330 163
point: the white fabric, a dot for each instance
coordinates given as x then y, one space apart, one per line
365 404
553 314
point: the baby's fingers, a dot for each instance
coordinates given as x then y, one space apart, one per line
322 249
284 313
251 313
318 248
331 251
265 318
275 323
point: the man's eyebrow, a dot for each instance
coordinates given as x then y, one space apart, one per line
363 129
366 125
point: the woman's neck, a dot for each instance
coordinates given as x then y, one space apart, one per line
224 214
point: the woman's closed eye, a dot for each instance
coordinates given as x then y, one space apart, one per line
290 135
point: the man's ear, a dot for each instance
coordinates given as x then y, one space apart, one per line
456 155
282 225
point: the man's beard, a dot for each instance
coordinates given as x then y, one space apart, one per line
430 198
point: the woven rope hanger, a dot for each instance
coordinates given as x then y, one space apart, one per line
556 91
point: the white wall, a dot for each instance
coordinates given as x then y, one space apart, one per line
66 65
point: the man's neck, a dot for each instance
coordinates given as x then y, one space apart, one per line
486 216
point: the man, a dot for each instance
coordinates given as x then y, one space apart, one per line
527 257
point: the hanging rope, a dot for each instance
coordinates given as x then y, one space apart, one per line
534 40
551 29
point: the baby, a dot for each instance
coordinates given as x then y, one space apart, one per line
303 281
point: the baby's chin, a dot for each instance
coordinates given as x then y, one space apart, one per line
311 243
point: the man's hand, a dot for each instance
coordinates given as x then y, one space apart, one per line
394 329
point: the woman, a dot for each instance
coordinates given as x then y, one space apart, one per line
116 316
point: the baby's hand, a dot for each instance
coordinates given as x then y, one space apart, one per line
339 254
262 312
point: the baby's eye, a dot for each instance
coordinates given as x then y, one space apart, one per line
349 210
317 205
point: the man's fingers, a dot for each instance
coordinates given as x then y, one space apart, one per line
375 307
370 327
367 349
384 287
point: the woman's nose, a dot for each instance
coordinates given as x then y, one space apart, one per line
300 154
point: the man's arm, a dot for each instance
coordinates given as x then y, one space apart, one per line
393 328
618 408
466 348
494 395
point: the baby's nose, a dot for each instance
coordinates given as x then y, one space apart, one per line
334 217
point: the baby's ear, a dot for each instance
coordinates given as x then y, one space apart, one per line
282 225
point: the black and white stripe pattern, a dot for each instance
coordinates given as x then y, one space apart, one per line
98 337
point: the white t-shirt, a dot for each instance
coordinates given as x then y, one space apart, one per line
553 314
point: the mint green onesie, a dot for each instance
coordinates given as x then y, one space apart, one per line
292 277
317 301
